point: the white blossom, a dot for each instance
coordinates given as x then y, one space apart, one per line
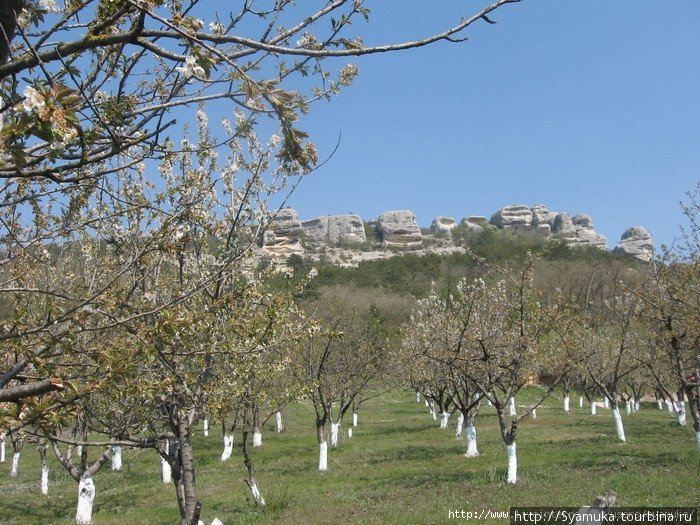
33 101
191 68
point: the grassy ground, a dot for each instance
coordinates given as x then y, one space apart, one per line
398 468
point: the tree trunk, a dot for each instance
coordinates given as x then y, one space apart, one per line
580 402
354 419
349 432
44 470
189 486
566 403
417 397
460 426
335 431
251 481
619 427
166 469
205 426
15 465
444 419
594 408
86 497
279 422
680 413
228 447
472 450
512 477
606 403
511 404
322 446
534 413
116 457
2 448
257 427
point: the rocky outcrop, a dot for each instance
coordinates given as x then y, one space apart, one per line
517 217
542 219
399 228
443 225
636 241
578 231
475 223
335 229
283 235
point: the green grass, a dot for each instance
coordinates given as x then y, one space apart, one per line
398 468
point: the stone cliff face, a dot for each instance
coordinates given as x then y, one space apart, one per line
335 229
286 232
636 241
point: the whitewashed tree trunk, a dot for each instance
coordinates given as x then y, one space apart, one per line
278 421
2 448
335 431
228 447
660 404
680 413
697 438
217 521
580 402
44 480
566 403
323 456
257 438
628 406
433 414
444 418
460 425
619 427
512 464
534 413
427 403
15 465
511 404
417 397
472 450
116 457
206 427
669 406
489 402
606 402
350 432
635 405
166 473
594 408
86 497
354 419
256 494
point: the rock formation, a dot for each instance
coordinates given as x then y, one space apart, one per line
475 223
636 241
283 235
335 229
542 219
516 217
443 225
399 228
578 231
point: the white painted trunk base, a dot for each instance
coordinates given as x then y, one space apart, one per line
697 439
323 456
628 406
619 427
460 425
566 403
606 402
335 430
2 450
350 432
669 406
44 480
166 473
257 438
444 418
594 408
636 405
680 413
217 521
256 494
206 428
228 447
660 404
15 465
534 413
355 416
279 422
511 404
433 414
580 402
116 457
489 401
417 397
472 450
512 464
427 403
86 497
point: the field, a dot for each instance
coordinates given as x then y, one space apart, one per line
399 467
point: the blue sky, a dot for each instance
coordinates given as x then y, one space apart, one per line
584 106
